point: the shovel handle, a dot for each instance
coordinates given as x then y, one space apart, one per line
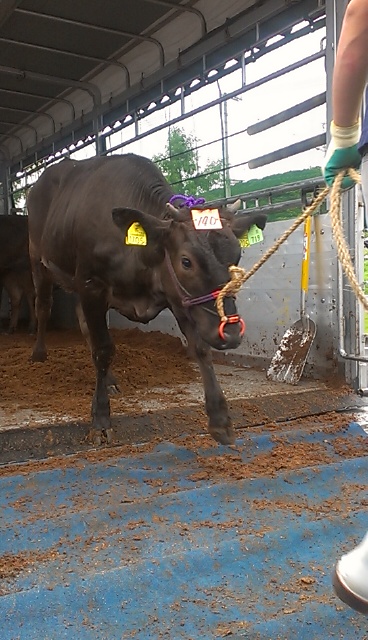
306 254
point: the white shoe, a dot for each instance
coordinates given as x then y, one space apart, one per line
350 579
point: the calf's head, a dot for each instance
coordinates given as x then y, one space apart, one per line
194 265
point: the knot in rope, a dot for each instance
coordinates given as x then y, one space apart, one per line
231 288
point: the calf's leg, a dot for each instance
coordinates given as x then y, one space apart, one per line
17 284
15 293
43 287
94 307
32 313
219 421
111 381
30 296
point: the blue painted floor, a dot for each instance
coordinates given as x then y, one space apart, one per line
186 539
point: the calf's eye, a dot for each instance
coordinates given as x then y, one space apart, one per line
186 262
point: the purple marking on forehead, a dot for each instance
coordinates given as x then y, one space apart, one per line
187 201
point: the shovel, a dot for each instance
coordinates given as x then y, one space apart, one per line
288 363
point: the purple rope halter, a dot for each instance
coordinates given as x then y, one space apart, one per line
185 297
187 201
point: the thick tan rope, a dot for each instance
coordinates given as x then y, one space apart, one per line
239 276
341 245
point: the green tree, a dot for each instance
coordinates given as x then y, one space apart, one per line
21 185
180 166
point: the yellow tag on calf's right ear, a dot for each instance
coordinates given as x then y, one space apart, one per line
252 236
136 235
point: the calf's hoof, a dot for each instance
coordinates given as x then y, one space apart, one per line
96 438
99 437
223 434
101 431
108 435
39 355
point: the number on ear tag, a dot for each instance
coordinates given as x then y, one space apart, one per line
206 219
136 235
252 236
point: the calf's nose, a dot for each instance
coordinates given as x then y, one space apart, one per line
231 340
231 334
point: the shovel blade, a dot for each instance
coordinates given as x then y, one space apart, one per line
288 363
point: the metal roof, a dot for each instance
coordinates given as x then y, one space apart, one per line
65 65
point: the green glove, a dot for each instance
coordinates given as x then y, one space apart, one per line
342 153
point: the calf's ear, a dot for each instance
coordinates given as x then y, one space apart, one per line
243 221
154 228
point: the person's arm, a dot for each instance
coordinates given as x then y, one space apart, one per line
351 65
349 78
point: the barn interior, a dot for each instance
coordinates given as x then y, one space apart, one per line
70 77
164 533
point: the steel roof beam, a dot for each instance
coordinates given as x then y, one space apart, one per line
64 52
16 124
39 96
93 27
5 153
39 113
70 134
183 9
83 85
11 135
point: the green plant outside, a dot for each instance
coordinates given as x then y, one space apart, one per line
268 182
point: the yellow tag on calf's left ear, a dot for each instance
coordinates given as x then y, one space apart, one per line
206 219
252 236
136 235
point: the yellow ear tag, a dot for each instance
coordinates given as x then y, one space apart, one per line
252 236
136 235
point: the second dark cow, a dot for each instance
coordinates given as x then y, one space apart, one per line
15 268
107 229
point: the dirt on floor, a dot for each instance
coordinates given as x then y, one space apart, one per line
64 384
152 369
231 464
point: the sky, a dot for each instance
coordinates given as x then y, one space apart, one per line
251 107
